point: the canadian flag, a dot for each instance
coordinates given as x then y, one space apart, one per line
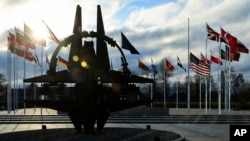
215 58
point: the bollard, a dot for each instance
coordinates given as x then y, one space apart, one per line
148 127
44 127
156 138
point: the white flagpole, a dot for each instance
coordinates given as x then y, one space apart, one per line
225 81
200 91
219 81
24 89
9 79
206 81
41 83
164 101
177 87
17 85
34 83
14 73
188 88
229 83
152 85
210 89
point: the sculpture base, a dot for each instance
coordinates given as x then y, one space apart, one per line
108 134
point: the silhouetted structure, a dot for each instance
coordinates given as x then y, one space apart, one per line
90 100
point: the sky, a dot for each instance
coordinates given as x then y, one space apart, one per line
157 29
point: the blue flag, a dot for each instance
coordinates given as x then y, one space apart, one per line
127 45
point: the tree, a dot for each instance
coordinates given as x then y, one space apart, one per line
2 85
237 81
165 71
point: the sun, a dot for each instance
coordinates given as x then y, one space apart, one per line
39 31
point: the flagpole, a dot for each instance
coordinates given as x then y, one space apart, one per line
225 81
8 79
151 92
210 89
219 79
229 83
177 87
164 101
41 74
34 83
17 85
200 91
188 89
24 89
14 73
206 81
152 86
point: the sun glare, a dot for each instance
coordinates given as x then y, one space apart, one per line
40 32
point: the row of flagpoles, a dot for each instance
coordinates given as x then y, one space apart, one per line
202 66
22 44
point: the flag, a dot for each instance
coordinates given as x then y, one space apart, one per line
111 65
142 66
212 35
236 56
241 47
223 55
215 58
179 64
29 56
230 40
205 60
20 39
127 45
29 34
52 35
11 40
47 59
62 62
17 50
198 66
153 66
233 56
37 60
169 65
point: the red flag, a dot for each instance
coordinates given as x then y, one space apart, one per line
205 60
11 40
215 58
169 65
229 40
52 35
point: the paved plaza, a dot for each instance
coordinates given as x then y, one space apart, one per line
192 132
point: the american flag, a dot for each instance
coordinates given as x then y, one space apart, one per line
198 66
212 35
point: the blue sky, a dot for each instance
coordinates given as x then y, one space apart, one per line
157 28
